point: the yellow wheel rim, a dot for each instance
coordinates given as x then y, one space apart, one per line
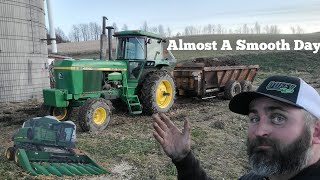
8 154
60 113
99 115
164 94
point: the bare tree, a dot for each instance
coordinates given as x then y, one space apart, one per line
267 29
169 32
274 29
213 27
245 29
75 33
84 31
95 30
219 29
114 25
257 28
145 26
161 30
190 30
153 29
60 36
124 27
299 30
205 30
209 29
293 30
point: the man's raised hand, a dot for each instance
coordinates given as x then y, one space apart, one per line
176 144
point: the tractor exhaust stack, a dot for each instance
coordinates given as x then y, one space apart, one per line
110 41
103 39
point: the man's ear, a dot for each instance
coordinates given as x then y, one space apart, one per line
316 133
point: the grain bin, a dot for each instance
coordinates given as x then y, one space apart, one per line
23 52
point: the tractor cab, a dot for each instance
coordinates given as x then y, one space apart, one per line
142 49
139 45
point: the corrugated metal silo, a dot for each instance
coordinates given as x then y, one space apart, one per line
23 55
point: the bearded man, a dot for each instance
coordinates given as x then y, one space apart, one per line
283 133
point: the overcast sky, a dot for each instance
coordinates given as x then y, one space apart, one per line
177 14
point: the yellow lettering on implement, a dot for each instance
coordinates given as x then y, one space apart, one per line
90 69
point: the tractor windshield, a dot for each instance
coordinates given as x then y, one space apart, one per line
131 48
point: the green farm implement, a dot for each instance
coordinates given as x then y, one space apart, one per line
43 146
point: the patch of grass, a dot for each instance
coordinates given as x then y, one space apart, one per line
283 62
9 170
198 133
114 147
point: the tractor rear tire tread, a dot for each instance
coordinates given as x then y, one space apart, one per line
147 92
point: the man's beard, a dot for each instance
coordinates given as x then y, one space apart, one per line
279 159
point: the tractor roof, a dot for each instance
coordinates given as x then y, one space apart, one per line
137 33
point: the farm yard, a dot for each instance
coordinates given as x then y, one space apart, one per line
127 146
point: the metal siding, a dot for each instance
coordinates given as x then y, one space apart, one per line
23 56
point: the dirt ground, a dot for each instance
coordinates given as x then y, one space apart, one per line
218 140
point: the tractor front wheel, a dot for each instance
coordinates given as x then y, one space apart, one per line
10 152
157 92
95 114
61 113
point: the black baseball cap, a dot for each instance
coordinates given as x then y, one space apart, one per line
290 90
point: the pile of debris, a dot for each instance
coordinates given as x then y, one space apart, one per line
213 61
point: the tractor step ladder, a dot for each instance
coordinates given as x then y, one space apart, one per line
133 103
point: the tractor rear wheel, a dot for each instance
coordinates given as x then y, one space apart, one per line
95 114
157 92
10 152
231 89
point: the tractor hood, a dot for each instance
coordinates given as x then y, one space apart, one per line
81 76
90 64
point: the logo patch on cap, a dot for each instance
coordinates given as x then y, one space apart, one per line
282 87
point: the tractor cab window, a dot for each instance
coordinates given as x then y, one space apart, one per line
131 48
63 131
154 49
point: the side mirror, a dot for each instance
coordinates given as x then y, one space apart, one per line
149 41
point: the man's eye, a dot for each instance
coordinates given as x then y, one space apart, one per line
278 119
254 119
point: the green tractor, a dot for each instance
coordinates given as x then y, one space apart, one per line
44 146
136 77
